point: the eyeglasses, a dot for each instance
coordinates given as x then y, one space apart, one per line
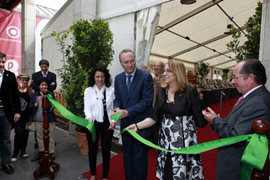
238 76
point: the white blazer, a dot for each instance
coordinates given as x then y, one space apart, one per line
90 99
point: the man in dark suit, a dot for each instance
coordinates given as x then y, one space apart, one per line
9 112
44 66
133 99
249 78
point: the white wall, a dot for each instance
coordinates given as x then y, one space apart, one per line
123 37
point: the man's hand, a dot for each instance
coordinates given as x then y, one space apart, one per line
112 126
209 116
17 117
114 111
124 113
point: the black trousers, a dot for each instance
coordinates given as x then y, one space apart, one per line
21 137
106 140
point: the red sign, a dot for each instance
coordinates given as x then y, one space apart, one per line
10 40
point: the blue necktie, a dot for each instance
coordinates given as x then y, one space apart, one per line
129 81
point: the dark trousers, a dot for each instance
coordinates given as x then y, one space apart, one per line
21 137
5 143
106 140
135 158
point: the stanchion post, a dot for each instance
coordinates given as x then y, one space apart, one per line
47 167
220 104
261 127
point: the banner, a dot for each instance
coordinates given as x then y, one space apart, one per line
10 40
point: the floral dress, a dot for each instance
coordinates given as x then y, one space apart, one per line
178 122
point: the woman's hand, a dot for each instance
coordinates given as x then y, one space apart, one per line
90 119
132 127
112 126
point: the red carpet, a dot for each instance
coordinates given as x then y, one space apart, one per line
208 158
117 168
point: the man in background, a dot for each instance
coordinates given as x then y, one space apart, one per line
133 99
249 78
10 108
44 72
158 77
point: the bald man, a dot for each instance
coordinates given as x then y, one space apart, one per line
158 78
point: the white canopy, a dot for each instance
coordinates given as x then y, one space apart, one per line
197 32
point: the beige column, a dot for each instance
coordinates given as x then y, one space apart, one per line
28 36
264 55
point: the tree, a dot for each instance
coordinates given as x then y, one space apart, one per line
92 46
203 69
250 48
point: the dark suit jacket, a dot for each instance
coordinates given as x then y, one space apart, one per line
37 75
10 95
137 101
239 122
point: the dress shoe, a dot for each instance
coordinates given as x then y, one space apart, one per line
37 157
8 169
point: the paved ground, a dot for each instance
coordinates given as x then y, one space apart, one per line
72 162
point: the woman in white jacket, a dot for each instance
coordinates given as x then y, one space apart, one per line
98 106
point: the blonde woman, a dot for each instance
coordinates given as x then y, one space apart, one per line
178 109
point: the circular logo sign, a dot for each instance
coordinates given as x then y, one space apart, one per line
13 32
13 66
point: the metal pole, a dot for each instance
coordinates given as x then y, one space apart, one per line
220 105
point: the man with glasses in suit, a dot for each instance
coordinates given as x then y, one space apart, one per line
249 77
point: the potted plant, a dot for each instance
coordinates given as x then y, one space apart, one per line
225 73
91 45
203 70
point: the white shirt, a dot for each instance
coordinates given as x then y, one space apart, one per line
250 91
132 76
1 77
92 105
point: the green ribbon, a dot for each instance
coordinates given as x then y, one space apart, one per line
70 116
254 155
116 116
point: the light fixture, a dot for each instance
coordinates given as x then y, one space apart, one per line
187 1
